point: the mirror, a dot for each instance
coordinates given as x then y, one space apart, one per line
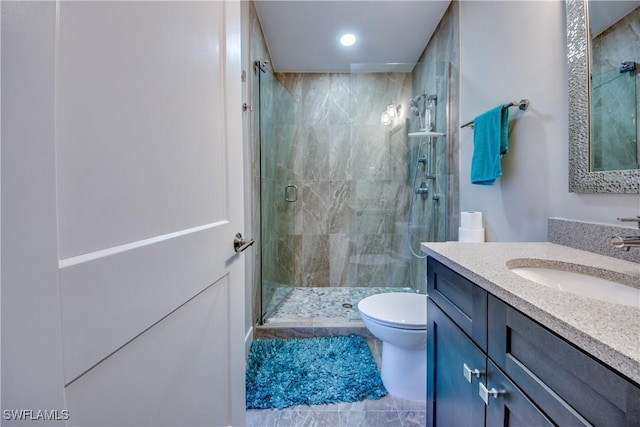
603 102
614 53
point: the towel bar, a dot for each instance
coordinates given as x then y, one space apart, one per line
523 104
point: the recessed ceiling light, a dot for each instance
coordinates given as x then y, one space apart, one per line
347 40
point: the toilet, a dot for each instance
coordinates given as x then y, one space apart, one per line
399 320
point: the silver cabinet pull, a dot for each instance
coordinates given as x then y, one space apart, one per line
291 193
240 244
468 372
484 393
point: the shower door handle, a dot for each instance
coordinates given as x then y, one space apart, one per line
240 244
291 193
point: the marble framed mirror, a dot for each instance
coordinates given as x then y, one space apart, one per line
583 177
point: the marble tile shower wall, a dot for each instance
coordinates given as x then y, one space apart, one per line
347 227
440 63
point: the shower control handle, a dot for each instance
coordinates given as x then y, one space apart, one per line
423 190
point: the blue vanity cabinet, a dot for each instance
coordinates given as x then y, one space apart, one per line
480 349
457 372
573 388
464 387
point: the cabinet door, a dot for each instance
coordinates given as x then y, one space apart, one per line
506 404
452 400
462 300
569 385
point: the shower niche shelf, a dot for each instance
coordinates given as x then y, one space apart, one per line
424 134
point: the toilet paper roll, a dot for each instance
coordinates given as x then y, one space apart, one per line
471 219
470 234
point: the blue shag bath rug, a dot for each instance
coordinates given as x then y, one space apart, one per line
311 371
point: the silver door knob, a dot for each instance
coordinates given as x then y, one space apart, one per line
240 244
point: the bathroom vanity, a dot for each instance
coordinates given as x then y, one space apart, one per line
503 350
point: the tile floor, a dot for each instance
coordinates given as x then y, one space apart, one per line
306 307
388 411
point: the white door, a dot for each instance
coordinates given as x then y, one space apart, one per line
146 156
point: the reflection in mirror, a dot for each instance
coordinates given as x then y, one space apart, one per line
615 50
600 173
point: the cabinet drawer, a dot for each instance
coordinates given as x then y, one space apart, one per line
569 385
462 300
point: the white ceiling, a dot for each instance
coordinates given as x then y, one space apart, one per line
303 35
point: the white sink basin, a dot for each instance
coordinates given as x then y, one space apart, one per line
582 284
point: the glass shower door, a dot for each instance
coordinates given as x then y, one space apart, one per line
278 191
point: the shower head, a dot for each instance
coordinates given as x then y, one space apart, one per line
425 114
413 103
414 106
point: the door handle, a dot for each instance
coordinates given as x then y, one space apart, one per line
291 196
240 244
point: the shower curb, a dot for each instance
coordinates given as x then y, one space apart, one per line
301 331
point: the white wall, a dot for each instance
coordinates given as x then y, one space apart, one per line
511 50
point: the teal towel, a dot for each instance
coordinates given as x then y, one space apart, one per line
490 141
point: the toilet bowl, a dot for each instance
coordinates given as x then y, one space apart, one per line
399 320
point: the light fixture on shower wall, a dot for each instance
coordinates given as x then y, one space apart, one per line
390 114
392 110
385 119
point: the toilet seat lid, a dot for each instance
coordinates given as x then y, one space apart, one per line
401 309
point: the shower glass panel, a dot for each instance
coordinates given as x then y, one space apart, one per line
398 184
429 219
278 191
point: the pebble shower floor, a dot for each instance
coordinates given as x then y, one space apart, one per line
339 303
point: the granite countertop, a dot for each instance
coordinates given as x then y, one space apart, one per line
609 332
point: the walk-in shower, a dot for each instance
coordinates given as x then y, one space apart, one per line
341 194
